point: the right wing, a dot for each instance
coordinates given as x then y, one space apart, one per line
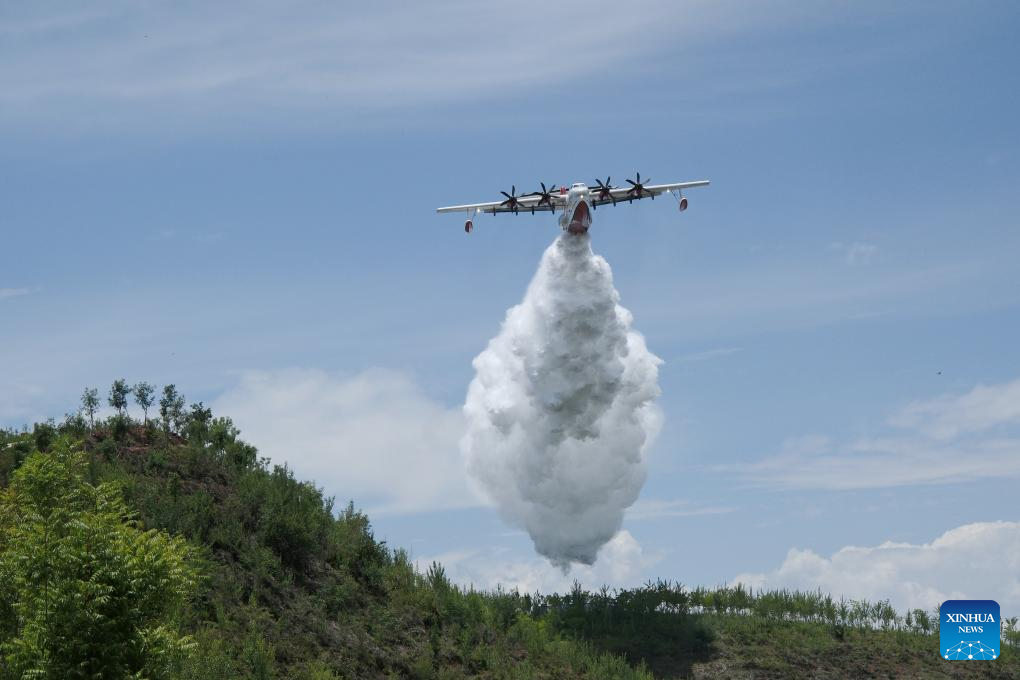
525 204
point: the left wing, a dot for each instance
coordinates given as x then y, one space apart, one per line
635 191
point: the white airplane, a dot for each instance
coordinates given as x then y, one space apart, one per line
575 204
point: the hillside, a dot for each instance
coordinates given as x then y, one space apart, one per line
287 586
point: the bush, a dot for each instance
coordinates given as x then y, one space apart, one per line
44 434
89 592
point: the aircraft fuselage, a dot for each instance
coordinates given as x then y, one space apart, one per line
576 218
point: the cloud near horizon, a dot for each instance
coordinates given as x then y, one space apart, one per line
376 437
952 438
973 561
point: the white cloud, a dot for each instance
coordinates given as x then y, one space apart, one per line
856 253
946 440
950 416
621 563
974 561
705 355
886 462
765 298
655 509
13 292
861 253
227 64
375 437
322 55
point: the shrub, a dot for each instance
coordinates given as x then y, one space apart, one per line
88 591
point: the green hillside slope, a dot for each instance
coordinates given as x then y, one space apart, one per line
264 578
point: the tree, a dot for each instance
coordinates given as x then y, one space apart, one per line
90 404
86 592
198 423
171 409
143 397
119 392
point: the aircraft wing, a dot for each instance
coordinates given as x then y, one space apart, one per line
525 204
624 193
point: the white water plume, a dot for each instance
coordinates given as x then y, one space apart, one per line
561 409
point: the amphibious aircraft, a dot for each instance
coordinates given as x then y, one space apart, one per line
576 203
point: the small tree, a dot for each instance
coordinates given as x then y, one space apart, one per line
118 399
143 397
90 404
88 592
198 423
171 409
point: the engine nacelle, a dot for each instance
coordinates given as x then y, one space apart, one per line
468 226
683 204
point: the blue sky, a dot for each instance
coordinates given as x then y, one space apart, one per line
239 199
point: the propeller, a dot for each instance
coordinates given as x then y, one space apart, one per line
545 196
637 188
511 201
605 190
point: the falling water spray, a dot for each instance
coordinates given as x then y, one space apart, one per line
561 409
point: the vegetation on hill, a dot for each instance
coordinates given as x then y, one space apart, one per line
167 548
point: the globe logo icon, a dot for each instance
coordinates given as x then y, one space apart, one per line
970 650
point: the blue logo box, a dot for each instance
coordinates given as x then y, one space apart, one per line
969 630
